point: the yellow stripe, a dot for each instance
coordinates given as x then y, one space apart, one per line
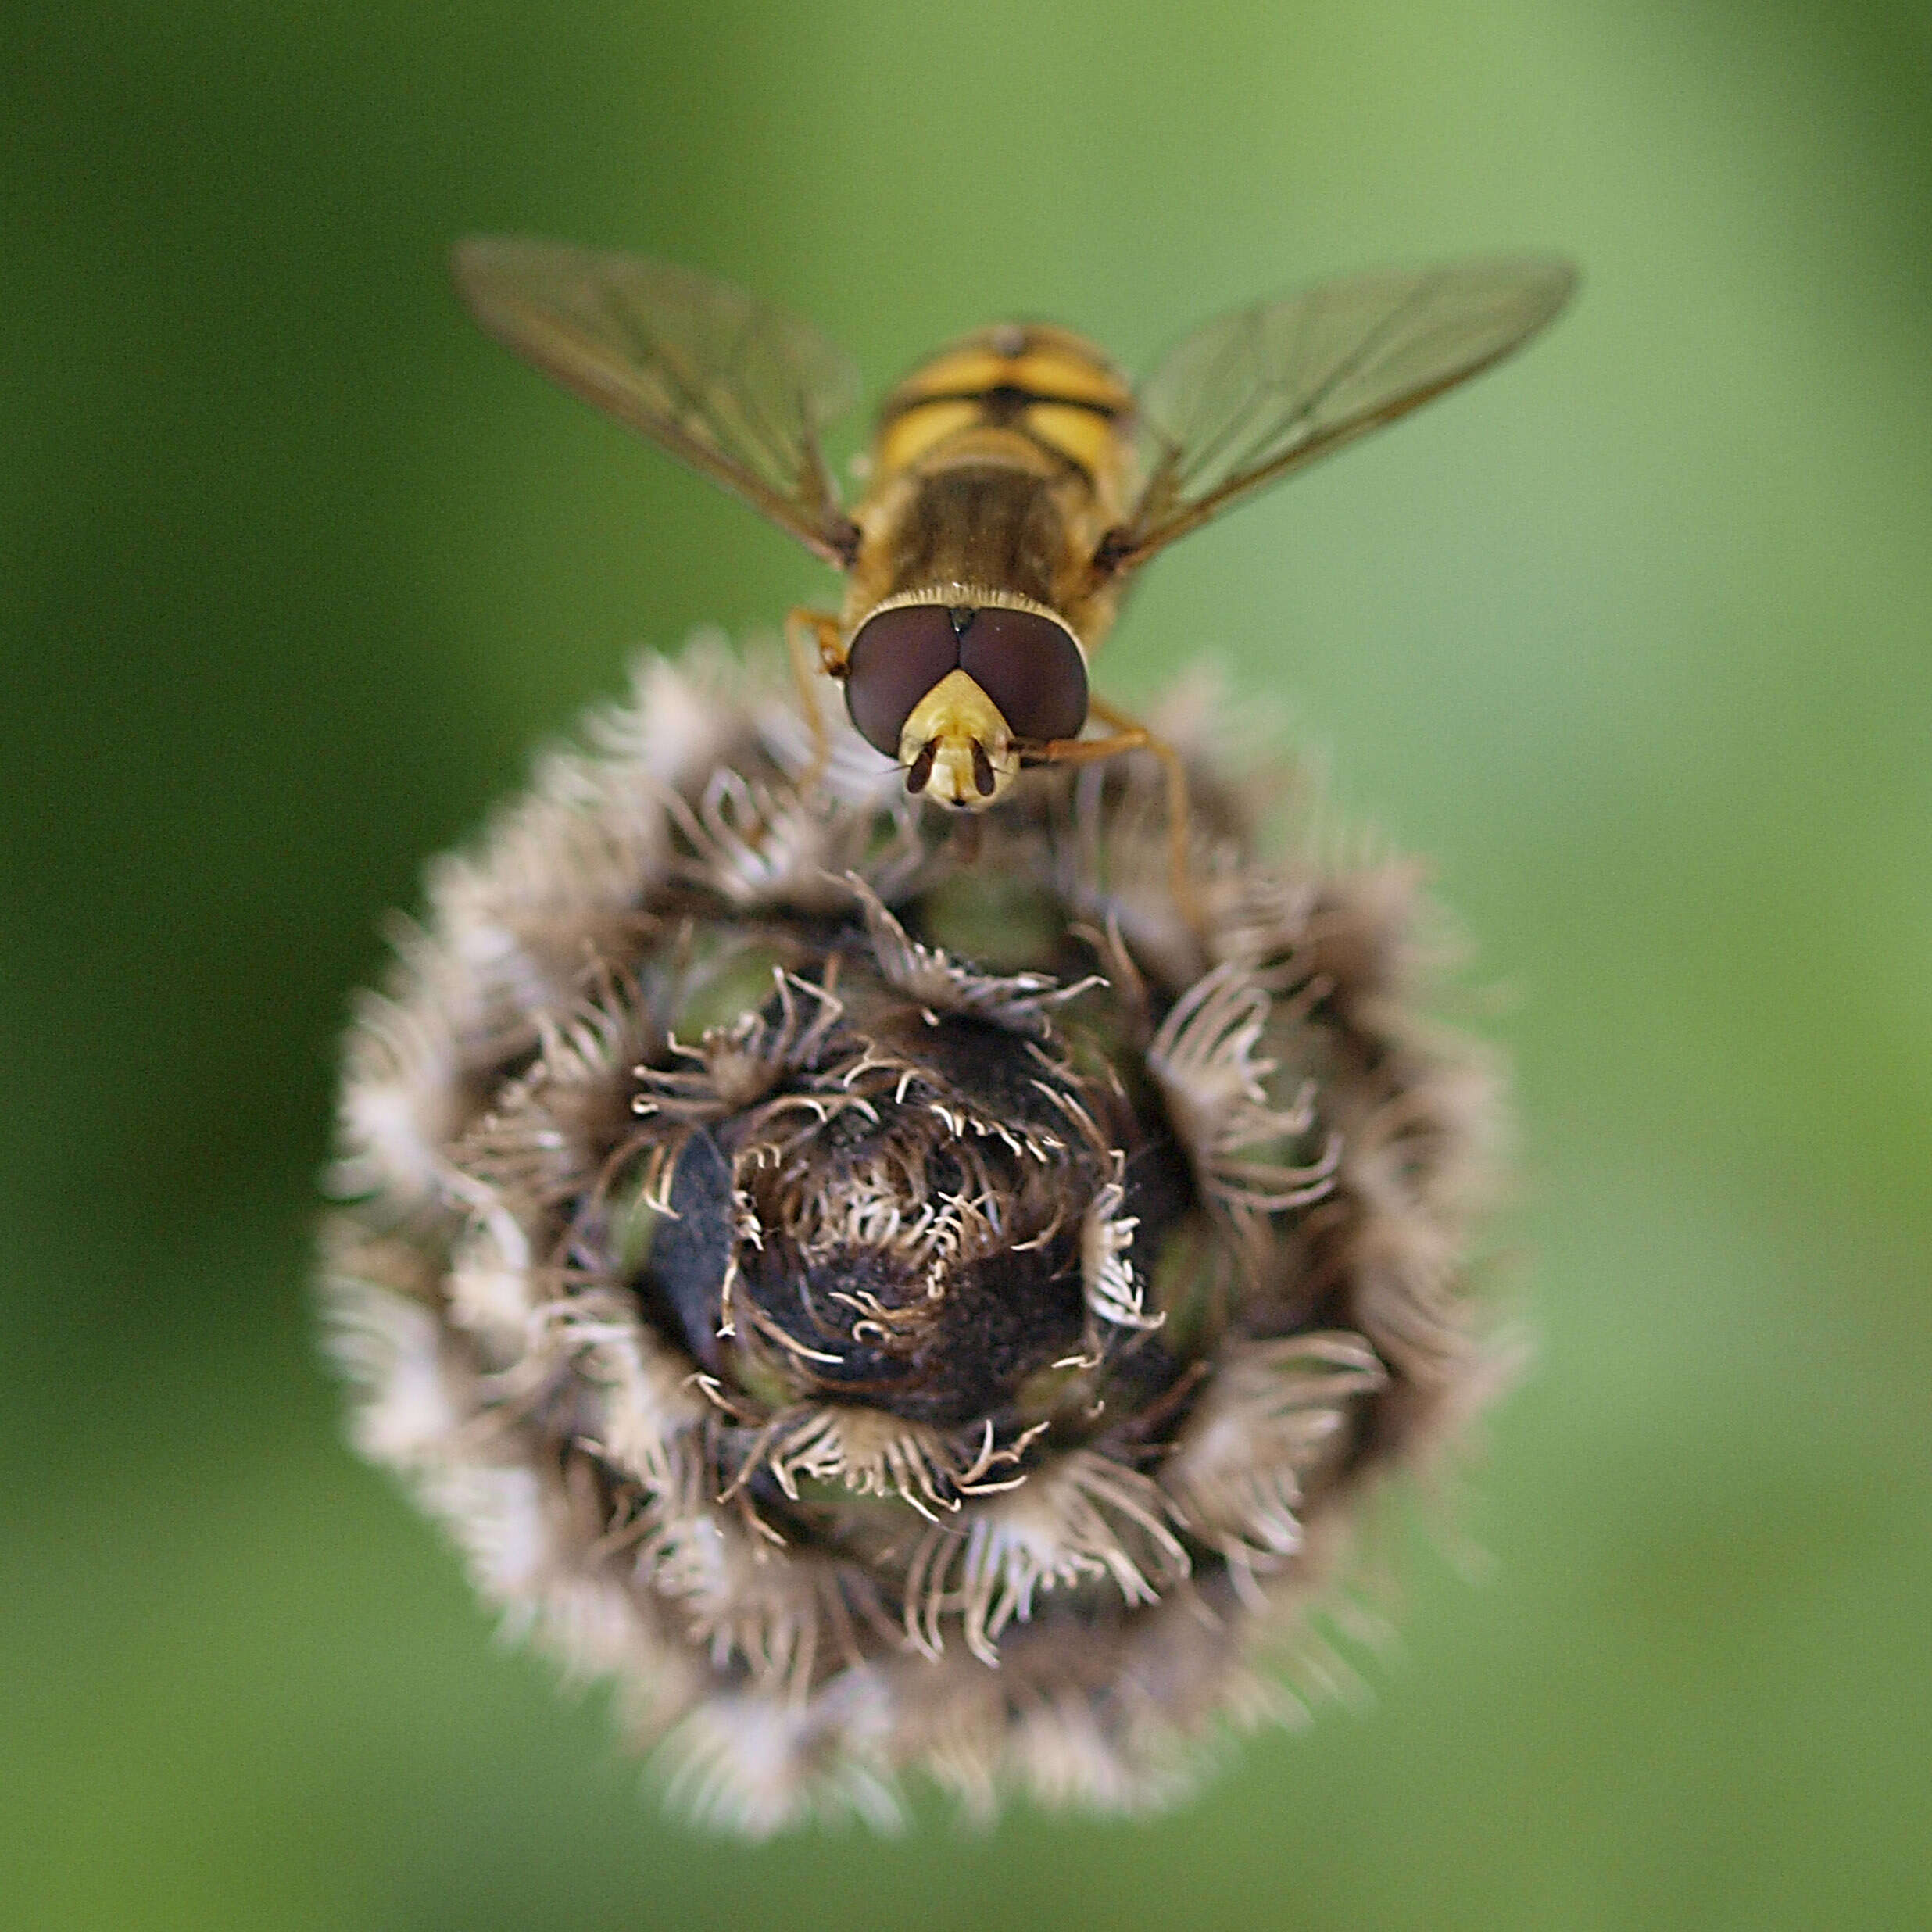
1065 374
907 437
1086 438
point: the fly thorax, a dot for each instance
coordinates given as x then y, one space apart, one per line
985 523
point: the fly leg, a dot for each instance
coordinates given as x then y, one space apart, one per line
1128 736
804 630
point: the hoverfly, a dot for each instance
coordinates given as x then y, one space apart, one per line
1017 482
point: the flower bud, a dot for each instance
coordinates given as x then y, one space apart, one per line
900 1309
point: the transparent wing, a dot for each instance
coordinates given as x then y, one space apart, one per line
1257 394
737 390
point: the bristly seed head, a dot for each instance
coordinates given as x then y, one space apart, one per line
897 1315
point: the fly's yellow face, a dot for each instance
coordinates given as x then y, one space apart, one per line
957 747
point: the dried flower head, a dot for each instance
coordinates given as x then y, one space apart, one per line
893 1310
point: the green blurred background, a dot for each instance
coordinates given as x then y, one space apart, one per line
1631 638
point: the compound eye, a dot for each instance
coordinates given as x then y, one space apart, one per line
1031 667
895 661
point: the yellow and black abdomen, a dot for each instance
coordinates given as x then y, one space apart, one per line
1053 388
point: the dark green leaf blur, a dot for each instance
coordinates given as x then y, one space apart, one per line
1633 639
